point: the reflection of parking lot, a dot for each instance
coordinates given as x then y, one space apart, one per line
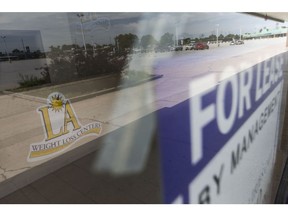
163 62
9 72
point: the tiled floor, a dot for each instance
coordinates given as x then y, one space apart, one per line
76 183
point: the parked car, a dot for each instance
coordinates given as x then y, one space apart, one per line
188 47
237 42
178 48
172 48
201 46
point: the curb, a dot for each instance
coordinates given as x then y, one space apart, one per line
83 97
101 92
26 97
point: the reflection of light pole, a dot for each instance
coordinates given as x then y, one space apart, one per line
217 26
94 45
4 37
23 47
176 33
83 36
176 36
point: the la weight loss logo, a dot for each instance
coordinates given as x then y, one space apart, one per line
61 128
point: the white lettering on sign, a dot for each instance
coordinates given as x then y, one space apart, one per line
225 123
199 118
178 200
271 75
241 99
244 94
251 147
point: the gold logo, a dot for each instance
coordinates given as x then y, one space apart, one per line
61 127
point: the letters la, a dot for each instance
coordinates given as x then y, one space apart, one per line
61 127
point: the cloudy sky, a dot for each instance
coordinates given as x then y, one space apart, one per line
64 28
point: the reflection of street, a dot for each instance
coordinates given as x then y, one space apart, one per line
9 72
147 62
181 70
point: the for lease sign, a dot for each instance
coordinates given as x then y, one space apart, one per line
219 146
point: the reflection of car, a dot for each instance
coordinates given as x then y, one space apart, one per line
189 47
135 50
172 48
201 46
238 42
178 48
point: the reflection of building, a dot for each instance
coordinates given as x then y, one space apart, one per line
27 49
267 33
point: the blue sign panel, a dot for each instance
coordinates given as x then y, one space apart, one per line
219 133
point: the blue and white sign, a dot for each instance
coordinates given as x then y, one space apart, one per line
219 146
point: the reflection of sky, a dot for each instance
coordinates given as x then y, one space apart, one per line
64 28
20 39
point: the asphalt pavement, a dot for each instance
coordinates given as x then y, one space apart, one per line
9 72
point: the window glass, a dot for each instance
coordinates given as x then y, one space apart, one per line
187 105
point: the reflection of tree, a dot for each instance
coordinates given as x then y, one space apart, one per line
166 40
126 41
186 41
212 37
230 37
221 37
15 51
55 49
147 40
70 65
